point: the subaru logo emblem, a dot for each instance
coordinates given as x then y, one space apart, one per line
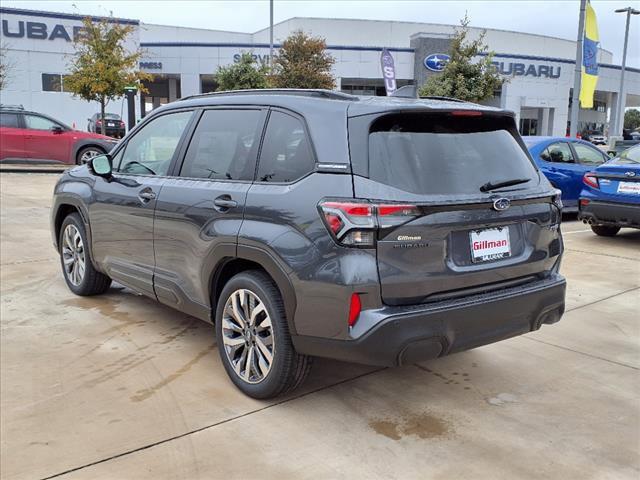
501 204
630 174
436 62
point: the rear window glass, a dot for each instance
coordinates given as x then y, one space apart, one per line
444 154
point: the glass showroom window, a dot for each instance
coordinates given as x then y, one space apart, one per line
54 82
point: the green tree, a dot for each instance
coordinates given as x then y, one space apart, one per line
101 66
632 119
464 77
245 74
303 62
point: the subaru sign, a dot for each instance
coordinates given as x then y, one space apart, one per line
436 62
388 71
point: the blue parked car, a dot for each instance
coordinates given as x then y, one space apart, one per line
564 161
610 198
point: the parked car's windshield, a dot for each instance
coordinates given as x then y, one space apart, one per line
444 154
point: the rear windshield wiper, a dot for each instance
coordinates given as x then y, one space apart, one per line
487 187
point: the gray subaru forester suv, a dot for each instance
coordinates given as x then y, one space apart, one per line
307 223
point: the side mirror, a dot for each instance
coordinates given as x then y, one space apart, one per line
57 130
101 166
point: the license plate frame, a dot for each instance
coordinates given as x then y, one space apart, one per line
628 188
497 246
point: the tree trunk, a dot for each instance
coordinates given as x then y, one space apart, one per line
103 125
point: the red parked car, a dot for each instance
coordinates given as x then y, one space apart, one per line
34 137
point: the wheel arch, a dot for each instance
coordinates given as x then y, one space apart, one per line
82 144
251 258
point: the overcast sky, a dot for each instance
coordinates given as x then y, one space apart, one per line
547 17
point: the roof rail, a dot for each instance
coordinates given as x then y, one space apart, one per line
448 99
11 107
303 92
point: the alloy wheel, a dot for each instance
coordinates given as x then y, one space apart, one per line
73 255
88 155
247 336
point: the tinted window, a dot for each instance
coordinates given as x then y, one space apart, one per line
35 122
9 120
51 82
558 153
223 145
588 155
286 153
442 154
150 151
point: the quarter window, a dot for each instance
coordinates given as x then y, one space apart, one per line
223 146
150 151
35 122
558 153
9 120
588 155
286 153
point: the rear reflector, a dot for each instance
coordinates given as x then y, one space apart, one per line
591 180
466 113
354 309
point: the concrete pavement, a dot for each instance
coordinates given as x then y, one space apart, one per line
118 386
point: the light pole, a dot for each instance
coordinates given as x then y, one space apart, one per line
270 36
621 100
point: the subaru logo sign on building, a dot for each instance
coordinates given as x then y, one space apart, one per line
436 62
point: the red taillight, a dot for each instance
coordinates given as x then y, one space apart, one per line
98 122
591 180
122 124
384 210
333 222
355 307
584 202
352 209
355 223
466 113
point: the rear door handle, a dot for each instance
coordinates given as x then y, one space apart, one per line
146 195
224 203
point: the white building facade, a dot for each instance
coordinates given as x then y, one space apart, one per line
183 61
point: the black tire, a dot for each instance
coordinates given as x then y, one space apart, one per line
93 282
85 150
604 230
288 368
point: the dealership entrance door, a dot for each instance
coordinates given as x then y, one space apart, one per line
536 121
161 90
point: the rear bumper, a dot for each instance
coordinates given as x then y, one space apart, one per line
608 213
410 334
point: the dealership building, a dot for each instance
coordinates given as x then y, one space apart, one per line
183 62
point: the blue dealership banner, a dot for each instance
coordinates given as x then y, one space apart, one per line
388 71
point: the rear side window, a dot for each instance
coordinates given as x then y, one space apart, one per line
9 120
444 154
286 153
223 146
558 153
